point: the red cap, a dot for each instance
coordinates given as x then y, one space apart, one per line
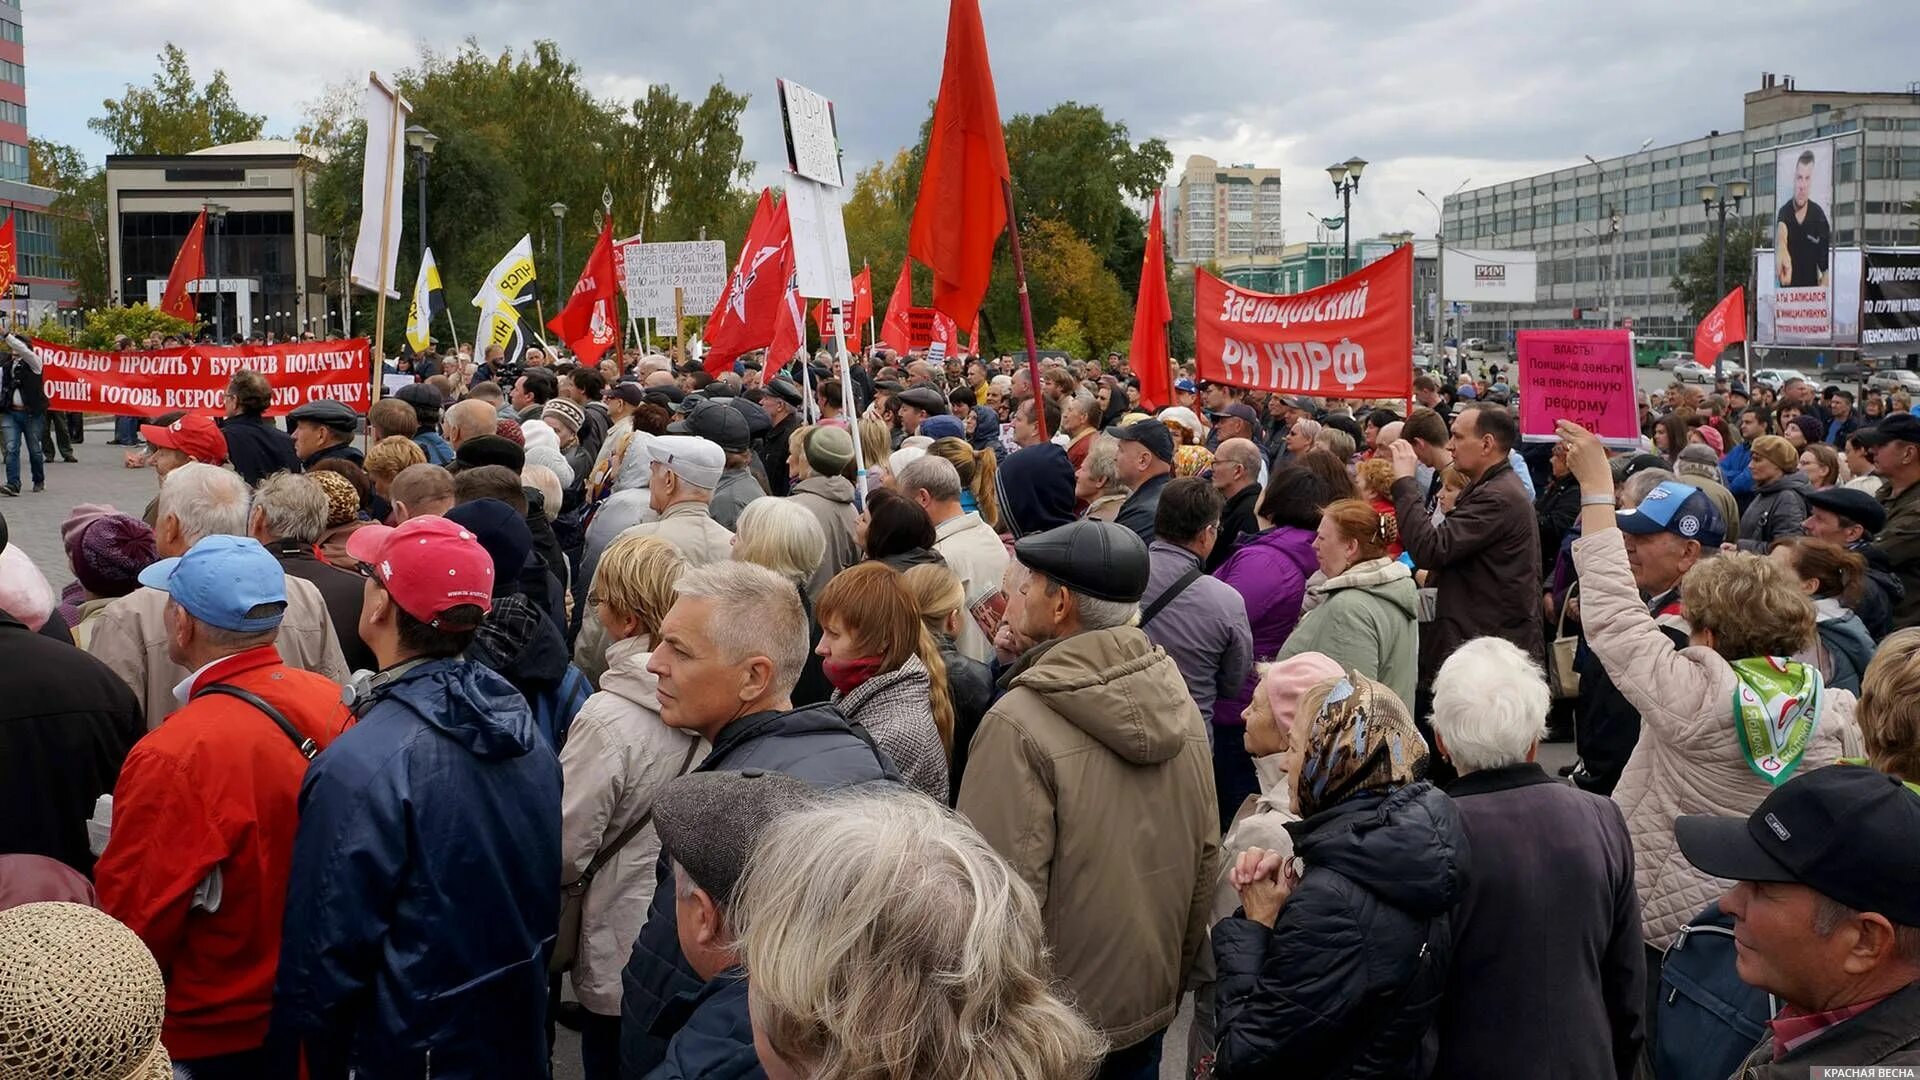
428 566
196 436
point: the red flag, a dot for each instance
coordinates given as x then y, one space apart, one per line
1151 313
863 295
748 312
961 208
944 334
789 325
973 340
853 316
189 265
1725 324
896 330
590 323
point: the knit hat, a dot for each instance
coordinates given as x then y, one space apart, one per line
81 516
1696 459
552 459
1712 437
828 450
537 433
1035 489
1285 682
509 429
343 502
80 997
1777 452
108 552
1362 740
566 412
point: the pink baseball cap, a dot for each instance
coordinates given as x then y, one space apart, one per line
428 565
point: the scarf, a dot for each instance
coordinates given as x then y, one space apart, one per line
847 675
1776 708
1363 739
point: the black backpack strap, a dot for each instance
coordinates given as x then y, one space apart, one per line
1179 586
306 746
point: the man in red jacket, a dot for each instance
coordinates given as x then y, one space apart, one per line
207 804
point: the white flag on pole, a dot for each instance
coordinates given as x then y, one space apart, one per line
381 189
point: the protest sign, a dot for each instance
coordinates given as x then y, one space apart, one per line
813 145
1350 338
698 268
1890 302
1585 376
194 378
822 269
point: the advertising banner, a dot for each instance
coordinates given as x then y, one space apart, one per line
194 378
1350 338
1824 316
1890 302
1585 376
1495 277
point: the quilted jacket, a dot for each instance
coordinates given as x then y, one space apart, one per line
1688 759
895 708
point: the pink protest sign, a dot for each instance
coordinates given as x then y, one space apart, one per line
1585 376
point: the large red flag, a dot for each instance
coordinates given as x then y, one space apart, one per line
789 325
896 330
188 267
590 323
961 208
1151 313
853 316
748 312
1725 324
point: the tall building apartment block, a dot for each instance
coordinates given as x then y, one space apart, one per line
1220 211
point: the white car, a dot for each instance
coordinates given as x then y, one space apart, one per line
1777 377
1689 371
1895 379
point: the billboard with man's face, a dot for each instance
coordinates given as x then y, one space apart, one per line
1803 270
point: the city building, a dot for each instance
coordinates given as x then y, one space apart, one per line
42 285
1610 234
1219 212
268 269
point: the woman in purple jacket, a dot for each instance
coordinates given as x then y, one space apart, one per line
1269 571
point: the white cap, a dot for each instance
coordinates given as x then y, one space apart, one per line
689 457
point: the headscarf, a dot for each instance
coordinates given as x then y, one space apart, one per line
1363 739
986 429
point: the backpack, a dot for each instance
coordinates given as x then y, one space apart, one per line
1708 1021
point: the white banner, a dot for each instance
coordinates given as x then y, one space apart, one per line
822 268
382 189
1495 277
652 271
1825 315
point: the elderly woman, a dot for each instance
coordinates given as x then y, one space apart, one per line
1779 507
887 900
1096 483
1336 966
784 536
1722 722
1889 710
1365 618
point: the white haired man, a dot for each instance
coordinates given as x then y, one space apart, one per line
130 636
1095 727
1549 916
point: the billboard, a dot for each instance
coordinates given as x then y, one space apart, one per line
1826 316
1494 277
1890 302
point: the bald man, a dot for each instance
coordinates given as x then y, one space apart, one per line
469 419
1239 476
420 491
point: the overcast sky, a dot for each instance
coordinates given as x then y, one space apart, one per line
1430 93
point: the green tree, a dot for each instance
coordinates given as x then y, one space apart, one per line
1068 336
1180 340
79 214
1695 280
175 115
1080 288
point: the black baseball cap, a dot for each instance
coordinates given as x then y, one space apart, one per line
1151 434
1845 831
718 424
1240 410
1902 426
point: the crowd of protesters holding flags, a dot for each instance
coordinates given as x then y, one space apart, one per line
977 731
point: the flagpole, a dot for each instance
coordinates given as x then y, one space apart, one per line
1026 309
380 294
846 404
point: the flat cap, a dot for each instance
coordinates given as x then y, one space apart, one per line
709 822
418 394
924 398
716 423
1151 434
1902 426
1852 504
785 391
1103 560
328 412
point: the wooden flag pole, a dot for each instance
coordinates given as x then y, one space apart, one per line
1026 309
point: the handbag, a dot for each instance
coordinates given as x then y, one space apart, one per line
1562 673
573 895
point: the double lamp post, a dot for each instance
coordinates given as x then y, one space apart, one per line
1716 203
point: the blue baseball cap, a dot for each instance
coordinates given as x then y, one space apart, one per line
1681 509
943 427
1184 386
221 580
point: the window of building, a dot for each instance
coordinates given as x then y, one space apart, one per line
12 112
10 31
13 161
13 73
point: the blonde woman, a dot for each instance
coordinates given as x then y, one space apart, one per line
886 672
388 457
941 600
977 469
884 938
617 757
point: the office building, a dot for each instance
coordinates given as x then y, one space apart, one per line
1610 236
42 285
1218 212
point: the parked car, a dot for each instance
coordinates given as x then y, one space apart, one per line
1852 369
1777 377
1691 371
1673 360
1895 379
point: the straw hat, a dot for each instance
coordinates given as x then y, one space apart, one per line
80 998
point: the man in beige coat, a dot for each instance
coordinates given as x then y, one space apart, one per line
1096 738
130 636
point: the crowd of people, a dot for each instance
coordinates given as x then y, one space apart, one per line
973 731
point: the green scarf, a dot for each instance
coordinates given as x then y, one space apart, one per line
1776 707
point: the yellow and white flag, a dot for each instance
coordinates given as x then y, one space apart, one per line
505 301
428 302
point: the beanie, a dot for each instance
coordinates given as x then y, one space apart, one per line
1284 682
108 553
828 450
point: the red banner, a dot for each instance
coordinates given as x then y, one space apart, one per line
1352 338
194 378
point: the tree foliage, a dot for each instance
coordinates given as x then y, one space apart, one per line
1695 281
1068 336
175 115
79 214
106 325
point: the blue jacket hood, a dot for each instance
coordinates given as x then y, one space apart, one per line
469 703
986 429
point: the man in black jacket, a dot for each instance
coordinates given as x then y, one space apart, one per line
23 413
324 429
1851 517
729 654
256 448
1236 476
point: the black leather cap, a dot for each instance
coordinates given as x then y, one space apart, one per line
1103 560
924 398
328 412
785 391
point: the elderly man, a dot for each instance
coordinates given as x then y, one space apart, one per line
289 514
209 800
1852 518
972 550
782 404
727 429
1145 464
1826 915
729 653
1077 423
130 635
1200 621
1550 922
256 447
1239 470
915 405
420 491
470 419
324 429
1896 457
1095 725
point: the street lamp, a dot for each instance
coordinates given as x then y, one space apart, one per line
1346 179
1440 269
219 215
1712 201
560 245
423 142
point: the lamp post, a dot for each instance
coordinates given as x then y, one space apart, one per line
423 142
560 245
1346 179
1614 219
1714 203
1440 270
218 213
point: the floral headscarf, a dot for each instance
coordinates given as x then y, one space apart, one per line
1362 739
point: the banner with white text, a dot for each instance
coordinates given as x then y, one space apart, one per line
194 378
1352 338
